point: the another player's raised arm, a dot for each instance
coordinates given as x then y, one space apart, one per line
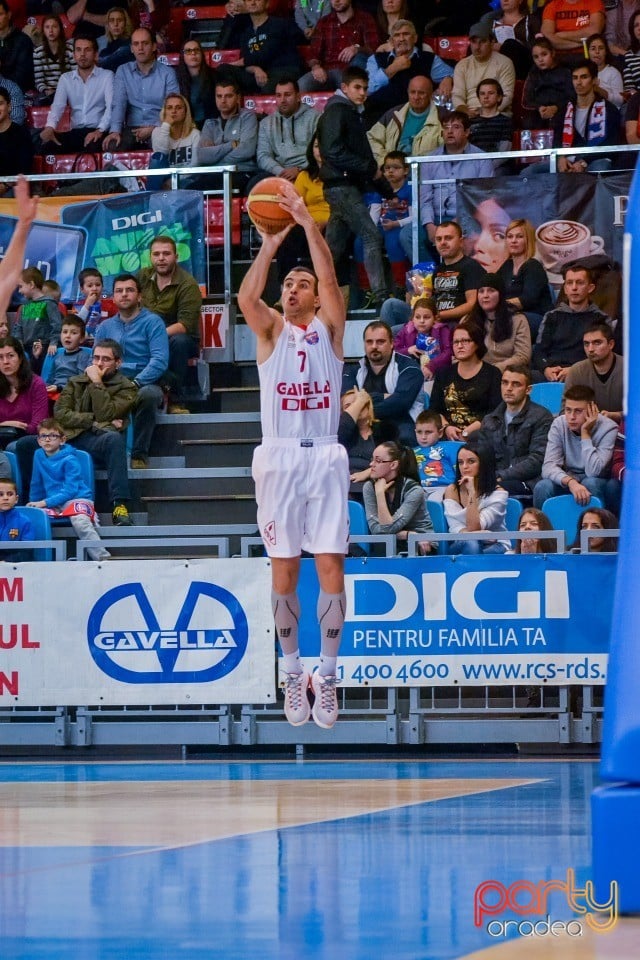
13 260
332 306
260 318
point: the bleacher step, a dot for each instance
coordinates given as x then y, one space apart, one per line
235 399
211 508
231 452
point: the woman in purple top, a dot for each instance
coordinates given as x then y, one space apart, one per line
23 395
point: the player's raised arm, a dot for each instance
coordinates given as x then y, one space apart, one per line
13 261
332 308
263 320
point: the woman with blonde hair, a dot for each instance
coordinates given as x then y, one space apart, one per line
115 46
525 280
175 141
356 434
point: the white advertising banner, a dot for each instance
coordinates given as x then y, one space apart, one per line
136 633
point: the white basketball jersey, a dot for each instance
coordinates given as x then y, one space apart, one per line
300 384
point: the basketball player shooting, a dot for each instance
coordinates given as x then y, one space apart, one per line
13 260
300 471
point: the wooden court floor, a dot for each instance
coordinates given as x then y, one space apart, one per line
291 860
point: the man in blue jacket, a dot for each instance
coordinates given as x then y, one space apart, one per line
393 381
145 347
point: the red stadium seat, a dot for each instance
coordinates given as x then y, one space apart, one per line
449 48
78 163
37 118
131 159
171 59
532 140
318 100
175 28
214 221
216 57
260 103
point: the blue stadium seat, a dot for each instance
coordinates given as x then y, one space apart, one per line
42 530
564 513
358 524
439 521
15 471
549 395
514 509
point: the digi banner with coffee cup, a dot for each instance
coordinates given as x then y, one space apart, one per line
574 216
112 234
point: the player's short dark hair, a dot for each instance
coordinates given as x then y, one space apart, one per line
302 269
73 320
123 277
354 73
113 345
580 393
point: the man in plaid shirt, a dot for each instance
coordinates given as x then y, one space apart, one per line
342 35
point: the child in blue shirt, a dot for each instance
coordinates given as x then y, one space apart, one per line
14 523
435 468
72 361
58 487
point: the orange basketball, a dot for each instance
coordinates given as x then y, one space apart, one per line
263 206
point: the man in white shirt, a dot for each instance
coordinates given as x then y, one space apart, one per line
88 91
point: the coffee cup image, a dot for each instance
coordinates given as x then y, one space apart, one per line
560 241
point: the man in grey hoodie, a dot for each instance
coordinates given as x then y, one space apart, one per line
283 136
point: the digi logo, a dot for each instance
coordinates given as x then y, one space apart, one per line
207 641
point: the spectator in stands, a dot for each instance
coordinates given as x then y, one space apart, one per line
475 501
284 136
597 518
566 23
52 58
602 371
579 451
631 69
139 91
455 280
393 497
393 382
560 342
175 141
93 306
617 25
23 395
387 14
114 47
197 82
413 128
89 17
532 520
18 111
342 35
72 359
525 280
294 250
547 89
468 390
608 83
308 12
16 51
390 73
93 410
392 214
514 29
482 64
15 525
154 15
517 432
233 136
145 343
589 120
268 51
438 200
16 146
490 130
88 92
347 168
59 488
174 295
506 332
356 434
425 338
38 320
435 468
